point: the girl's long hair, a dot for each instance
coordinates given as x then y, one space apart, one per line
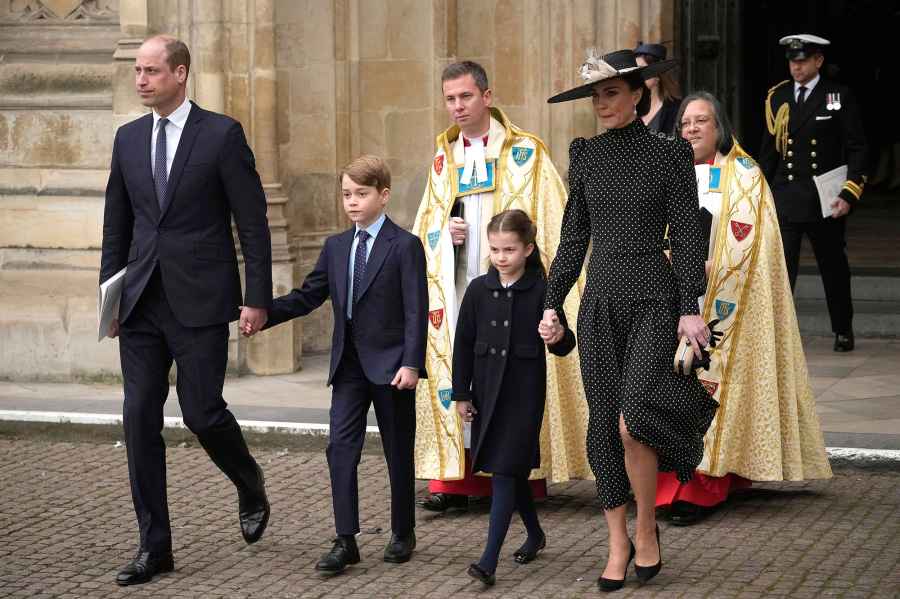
517 221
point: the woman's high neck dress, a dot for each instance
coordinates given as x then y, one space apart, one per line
628 186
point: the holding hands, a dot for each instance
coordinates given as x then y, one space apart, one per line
252 320
550 329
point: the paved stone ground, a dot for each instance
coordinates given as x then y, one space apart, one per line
67 525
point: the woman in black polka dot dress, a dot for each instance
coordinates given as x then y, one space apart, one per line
626 187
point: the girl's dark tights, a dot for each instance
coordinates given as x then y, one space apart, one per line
509 493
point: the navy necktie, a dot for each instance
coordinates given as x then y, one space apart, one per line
801 96
359 263
160 173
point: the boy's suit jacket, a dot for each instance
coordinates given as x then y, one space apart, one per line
391 312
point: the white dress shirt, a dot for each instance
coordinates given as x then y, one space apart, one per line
810 86
174 127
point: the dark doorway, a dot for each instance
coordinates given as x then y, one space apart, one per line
730 48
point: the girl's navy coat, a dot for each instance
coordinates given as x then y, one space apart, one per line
499 364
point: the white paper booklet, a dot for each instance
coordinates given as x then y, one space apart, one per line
829 186
108 296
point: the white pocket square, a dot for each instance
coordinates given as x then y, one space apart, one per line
823 118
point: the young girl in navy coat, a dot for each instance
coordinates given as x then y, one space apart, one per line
499 378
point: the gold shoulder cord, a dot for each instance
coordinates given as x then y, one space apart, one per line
778 123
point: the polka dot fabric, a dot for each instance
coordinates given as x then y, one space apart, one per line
625 187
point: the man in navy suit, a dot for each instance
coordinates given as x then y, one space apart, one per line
178 176
374 274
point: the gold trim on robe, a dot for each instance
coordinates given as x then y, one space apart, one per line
766 427
525 179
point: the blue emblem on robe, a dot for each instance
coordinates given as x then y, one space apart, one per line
746 162
445 396
476 186
521 155
433 237
715 178
724 309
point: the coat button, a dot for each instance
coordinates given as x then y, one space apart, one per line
790 153
813 142
503 352
493 323
790 165
813 154
493 350
790 141
506 323
509 294
496 294
790 177
814 165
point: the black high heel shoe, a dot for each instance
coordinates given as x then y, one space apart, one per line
645 573
608 585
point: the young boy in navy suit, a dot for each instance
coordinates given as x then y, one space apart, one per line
374 274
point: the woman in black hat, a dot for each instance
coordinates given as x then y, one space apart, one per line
627 186
664 90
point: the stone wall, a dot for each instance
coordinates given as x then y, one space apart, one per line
314 82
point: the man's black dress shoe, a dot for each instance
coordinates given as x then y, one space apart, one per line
441 502
343 552
843 343
683 513
253 510
523 555
399 549
476 572
144 567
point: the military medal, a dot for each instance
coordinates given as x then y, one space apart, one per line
837 100
829 101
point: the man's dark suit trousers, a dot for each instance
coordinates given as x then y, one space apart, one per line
150 339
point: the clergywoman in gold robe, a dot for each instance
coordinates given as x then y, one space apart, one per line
766 428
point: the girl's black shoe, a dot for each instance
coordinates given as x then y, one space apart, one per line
645 573
523 556
476 572
608 585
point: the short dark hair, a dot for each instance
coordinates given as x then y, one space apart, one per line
369 170
724 130
177 52
463 68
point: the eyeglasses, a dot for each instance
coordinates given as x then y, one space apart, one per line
700 121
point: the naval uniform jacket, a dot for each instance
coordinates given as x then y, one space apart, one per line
818 140
500 365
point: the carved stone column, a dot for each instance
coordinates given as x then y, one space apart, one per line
278 350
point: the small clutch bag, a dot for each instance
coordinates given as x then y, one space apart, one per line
686 361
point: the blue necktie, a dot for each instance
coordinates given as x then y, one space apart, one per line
160 174
359 264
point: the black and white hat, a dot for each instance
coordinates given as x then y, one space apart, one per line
802 45
609 66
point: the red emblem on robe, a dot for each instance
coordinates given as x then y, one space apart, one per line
709 386
740 230
439 164
436 317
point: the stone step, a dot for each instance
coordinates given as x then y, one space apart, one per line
866 287
870 318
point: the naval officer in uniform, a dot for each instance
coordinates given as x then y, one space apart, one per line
814 126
